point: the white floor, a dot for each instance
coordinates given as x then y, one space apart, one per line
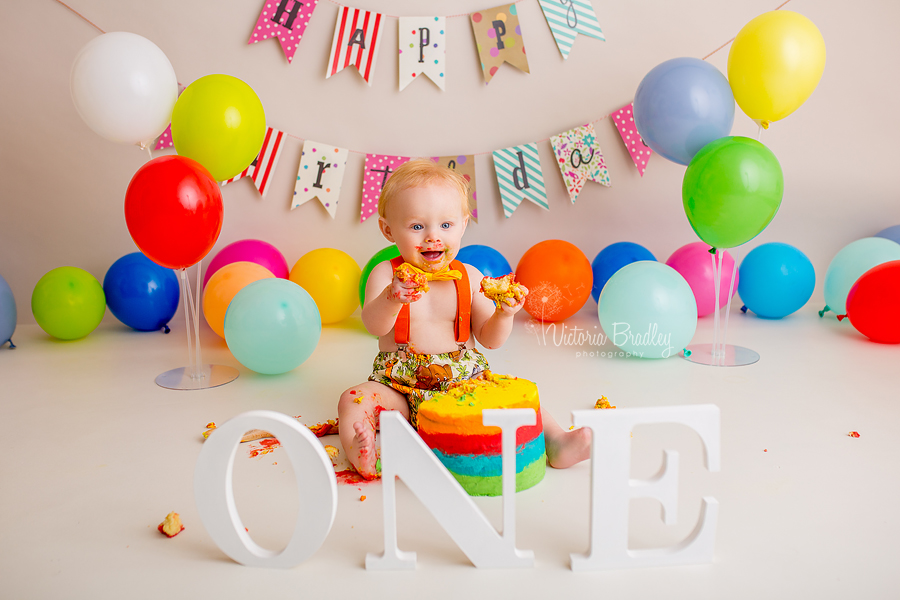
95 455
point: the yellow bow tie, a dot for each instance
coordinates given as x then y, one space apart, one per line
445 274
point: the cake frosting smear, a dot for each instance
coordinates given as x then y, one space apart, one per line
450 424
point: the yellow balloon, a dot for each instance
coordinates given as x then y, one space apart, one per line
219 121
224 285
774 64
332 279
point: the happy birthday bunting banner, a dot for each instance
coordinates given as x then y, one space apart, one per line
263 166
423 49
357 37
378 168
519 177
568 18
639 151
579 158
285 20
320 175
463 164
498 37
165 140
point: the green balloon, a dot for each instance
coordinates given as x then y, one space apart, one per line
380 256
68 303
731 191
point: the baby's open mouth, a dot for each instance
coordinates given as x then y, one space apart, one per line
433 255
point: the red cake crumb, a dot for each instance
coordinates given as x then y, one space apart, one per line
853 434
171 526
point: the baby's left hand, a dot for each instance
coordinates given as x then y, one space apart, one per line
504 307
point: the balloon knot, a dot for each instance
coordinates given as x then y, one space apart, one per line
11 345
166 329
841 317
686 352
744 309
712 250
764 124
824 310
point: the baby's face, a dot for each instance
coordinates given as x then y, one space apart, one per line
427 224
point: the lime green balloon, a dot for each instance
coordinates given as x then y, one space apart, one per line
380 256
68 303
219 122
731 191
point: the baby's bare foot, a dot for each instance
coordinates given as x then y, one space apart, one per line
570 448
255 434
364 448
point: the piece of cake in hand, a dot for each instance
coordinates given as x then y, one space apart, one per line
409 274
503 289
451 425
171 526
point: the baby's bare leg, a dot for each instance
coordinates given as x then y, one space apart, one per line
565 448
358 412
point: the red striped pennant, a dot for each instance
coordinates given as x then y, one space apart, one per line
263 166
357 34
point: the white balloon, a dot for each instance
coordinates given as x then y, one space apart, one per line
124 87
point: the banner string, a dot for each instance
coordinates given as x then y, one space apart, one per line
296 137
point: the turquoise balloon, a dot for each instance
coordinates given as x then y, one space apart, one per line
648 309
7 313
850 263
272 326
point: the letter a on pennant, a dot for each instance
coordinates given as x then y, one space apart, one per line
579 158
285 20
405 455
357 37
519 177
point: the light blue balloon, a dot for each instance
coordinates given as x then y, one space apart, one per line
648 309
776 280
681 105
7 313
272 326
890 233
850 263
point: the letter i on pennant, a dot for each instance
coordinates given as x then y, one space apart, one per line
519 177
320 175
423 49
285 20
357 37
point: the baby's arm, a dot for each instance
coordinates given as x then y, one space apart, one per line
491 324
385 294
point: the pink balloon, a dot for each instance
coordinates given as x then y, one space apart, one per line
255 251
694 262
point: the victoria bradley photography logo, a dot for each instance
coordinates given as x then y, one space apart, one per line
589 342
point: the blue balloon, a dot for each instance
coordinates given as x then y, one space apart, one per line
611 259
140 293
891 233
649 310
7 313
776 280
681 105
484 258
272 326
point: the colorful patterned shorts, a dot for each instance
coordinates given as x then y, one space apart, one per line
420 376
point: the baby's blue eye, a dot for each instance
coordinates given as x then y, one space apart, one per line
445 225
417 227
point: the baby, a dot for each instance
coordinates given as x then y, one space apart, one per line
426 334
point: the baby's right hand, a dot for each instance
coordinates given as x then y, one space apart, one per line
403 292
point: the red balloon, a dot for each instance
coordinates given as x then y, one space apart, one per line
873 304
173 209
559 278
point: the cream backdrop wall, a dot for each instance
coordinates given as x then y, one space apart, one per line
62 187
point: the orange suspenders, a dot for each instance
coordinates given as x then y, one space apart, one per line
463 307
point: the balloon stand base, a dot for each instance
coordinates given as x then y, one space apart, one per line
730 356
210 376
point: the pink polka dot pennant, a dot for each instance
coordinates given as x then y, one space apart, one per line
165 140
378 168
285 20
639 151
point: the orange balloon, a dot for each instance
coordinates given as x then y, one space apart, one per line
224 285
558 277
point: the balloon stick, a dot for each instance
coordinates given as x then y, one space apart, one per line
715 344
728 308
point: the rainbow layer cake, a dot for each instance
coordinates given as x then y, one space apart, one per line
450 424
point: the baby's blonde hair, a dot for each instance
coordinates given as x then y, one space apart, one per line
419 173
